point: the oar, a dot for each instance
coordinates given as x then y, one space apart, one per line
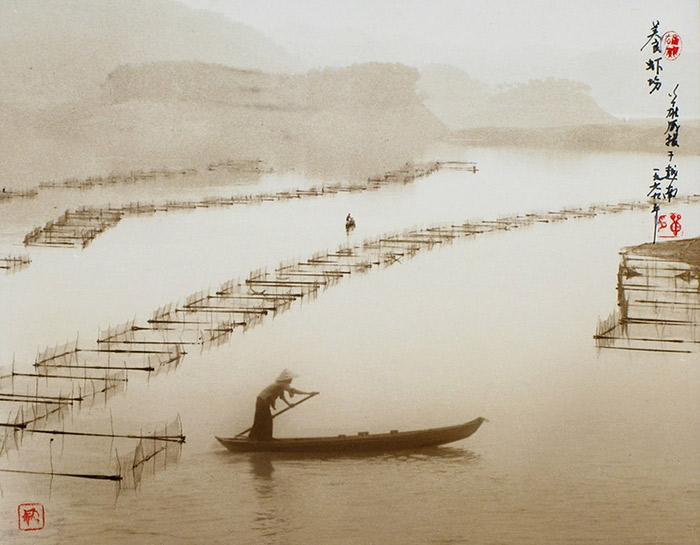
291 406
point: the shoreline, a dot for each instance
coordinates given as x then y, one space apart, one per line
684 250
634 137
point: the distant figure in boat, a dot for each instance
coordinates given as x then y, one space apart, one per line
349 223
262 424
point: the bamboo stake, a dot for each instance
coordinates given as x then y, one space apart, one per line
261 297
40 375
110 368
184 322
647 349
37 396
281 283
52 474
223 310
40 401
169 438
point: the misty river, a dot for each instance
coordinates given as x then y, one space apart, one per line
581 445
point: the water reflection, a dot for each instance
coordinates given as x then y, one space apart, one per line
261 467
262 464
444 454
283 484
351 155
271 513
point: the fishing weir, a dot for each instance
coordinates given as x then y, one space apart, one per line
658 302
65 379
67 376
74 227
7 195
139 176
78 228
207 318
151 452
12 264
73 373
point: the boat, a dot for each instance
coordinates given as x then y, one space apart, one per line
362 442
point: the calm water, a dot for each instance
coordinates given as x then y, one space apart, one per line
580 447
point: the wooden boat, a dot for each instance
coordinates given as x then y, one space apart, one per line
362 442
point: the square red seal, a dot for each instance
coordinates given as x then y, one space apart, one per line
30 516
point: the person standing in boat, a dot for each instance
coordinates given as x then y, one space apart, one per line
349 222
265 403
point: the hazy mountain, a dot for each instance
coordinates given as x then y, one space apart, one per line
53 50
94 87
350 122
191 82
554 113
544 103
456 98
462 102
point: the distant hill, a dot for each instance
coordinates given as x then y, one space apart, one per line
350 122
463 103
53 51
456 98
199 82
642 135
544 103
555 113
91 87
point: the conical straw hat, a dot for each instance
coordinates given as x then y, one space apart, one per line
286 375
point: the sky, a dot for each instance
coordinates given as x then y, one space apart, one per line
496 42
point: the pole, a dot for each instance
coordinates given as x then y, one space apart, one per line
80 475
171 438
283 411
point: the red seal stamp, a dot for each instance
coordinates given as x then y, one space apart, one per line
30 516
672 44
669 229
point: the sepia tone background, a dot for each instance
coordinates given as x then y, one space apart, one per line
549 99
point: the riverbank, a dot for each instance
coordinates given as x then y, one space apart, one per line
684 251
639 136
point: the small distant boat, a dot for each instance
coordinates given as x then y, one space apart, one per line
362 442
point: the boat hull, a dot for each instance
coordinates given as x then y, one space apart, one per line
342 444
